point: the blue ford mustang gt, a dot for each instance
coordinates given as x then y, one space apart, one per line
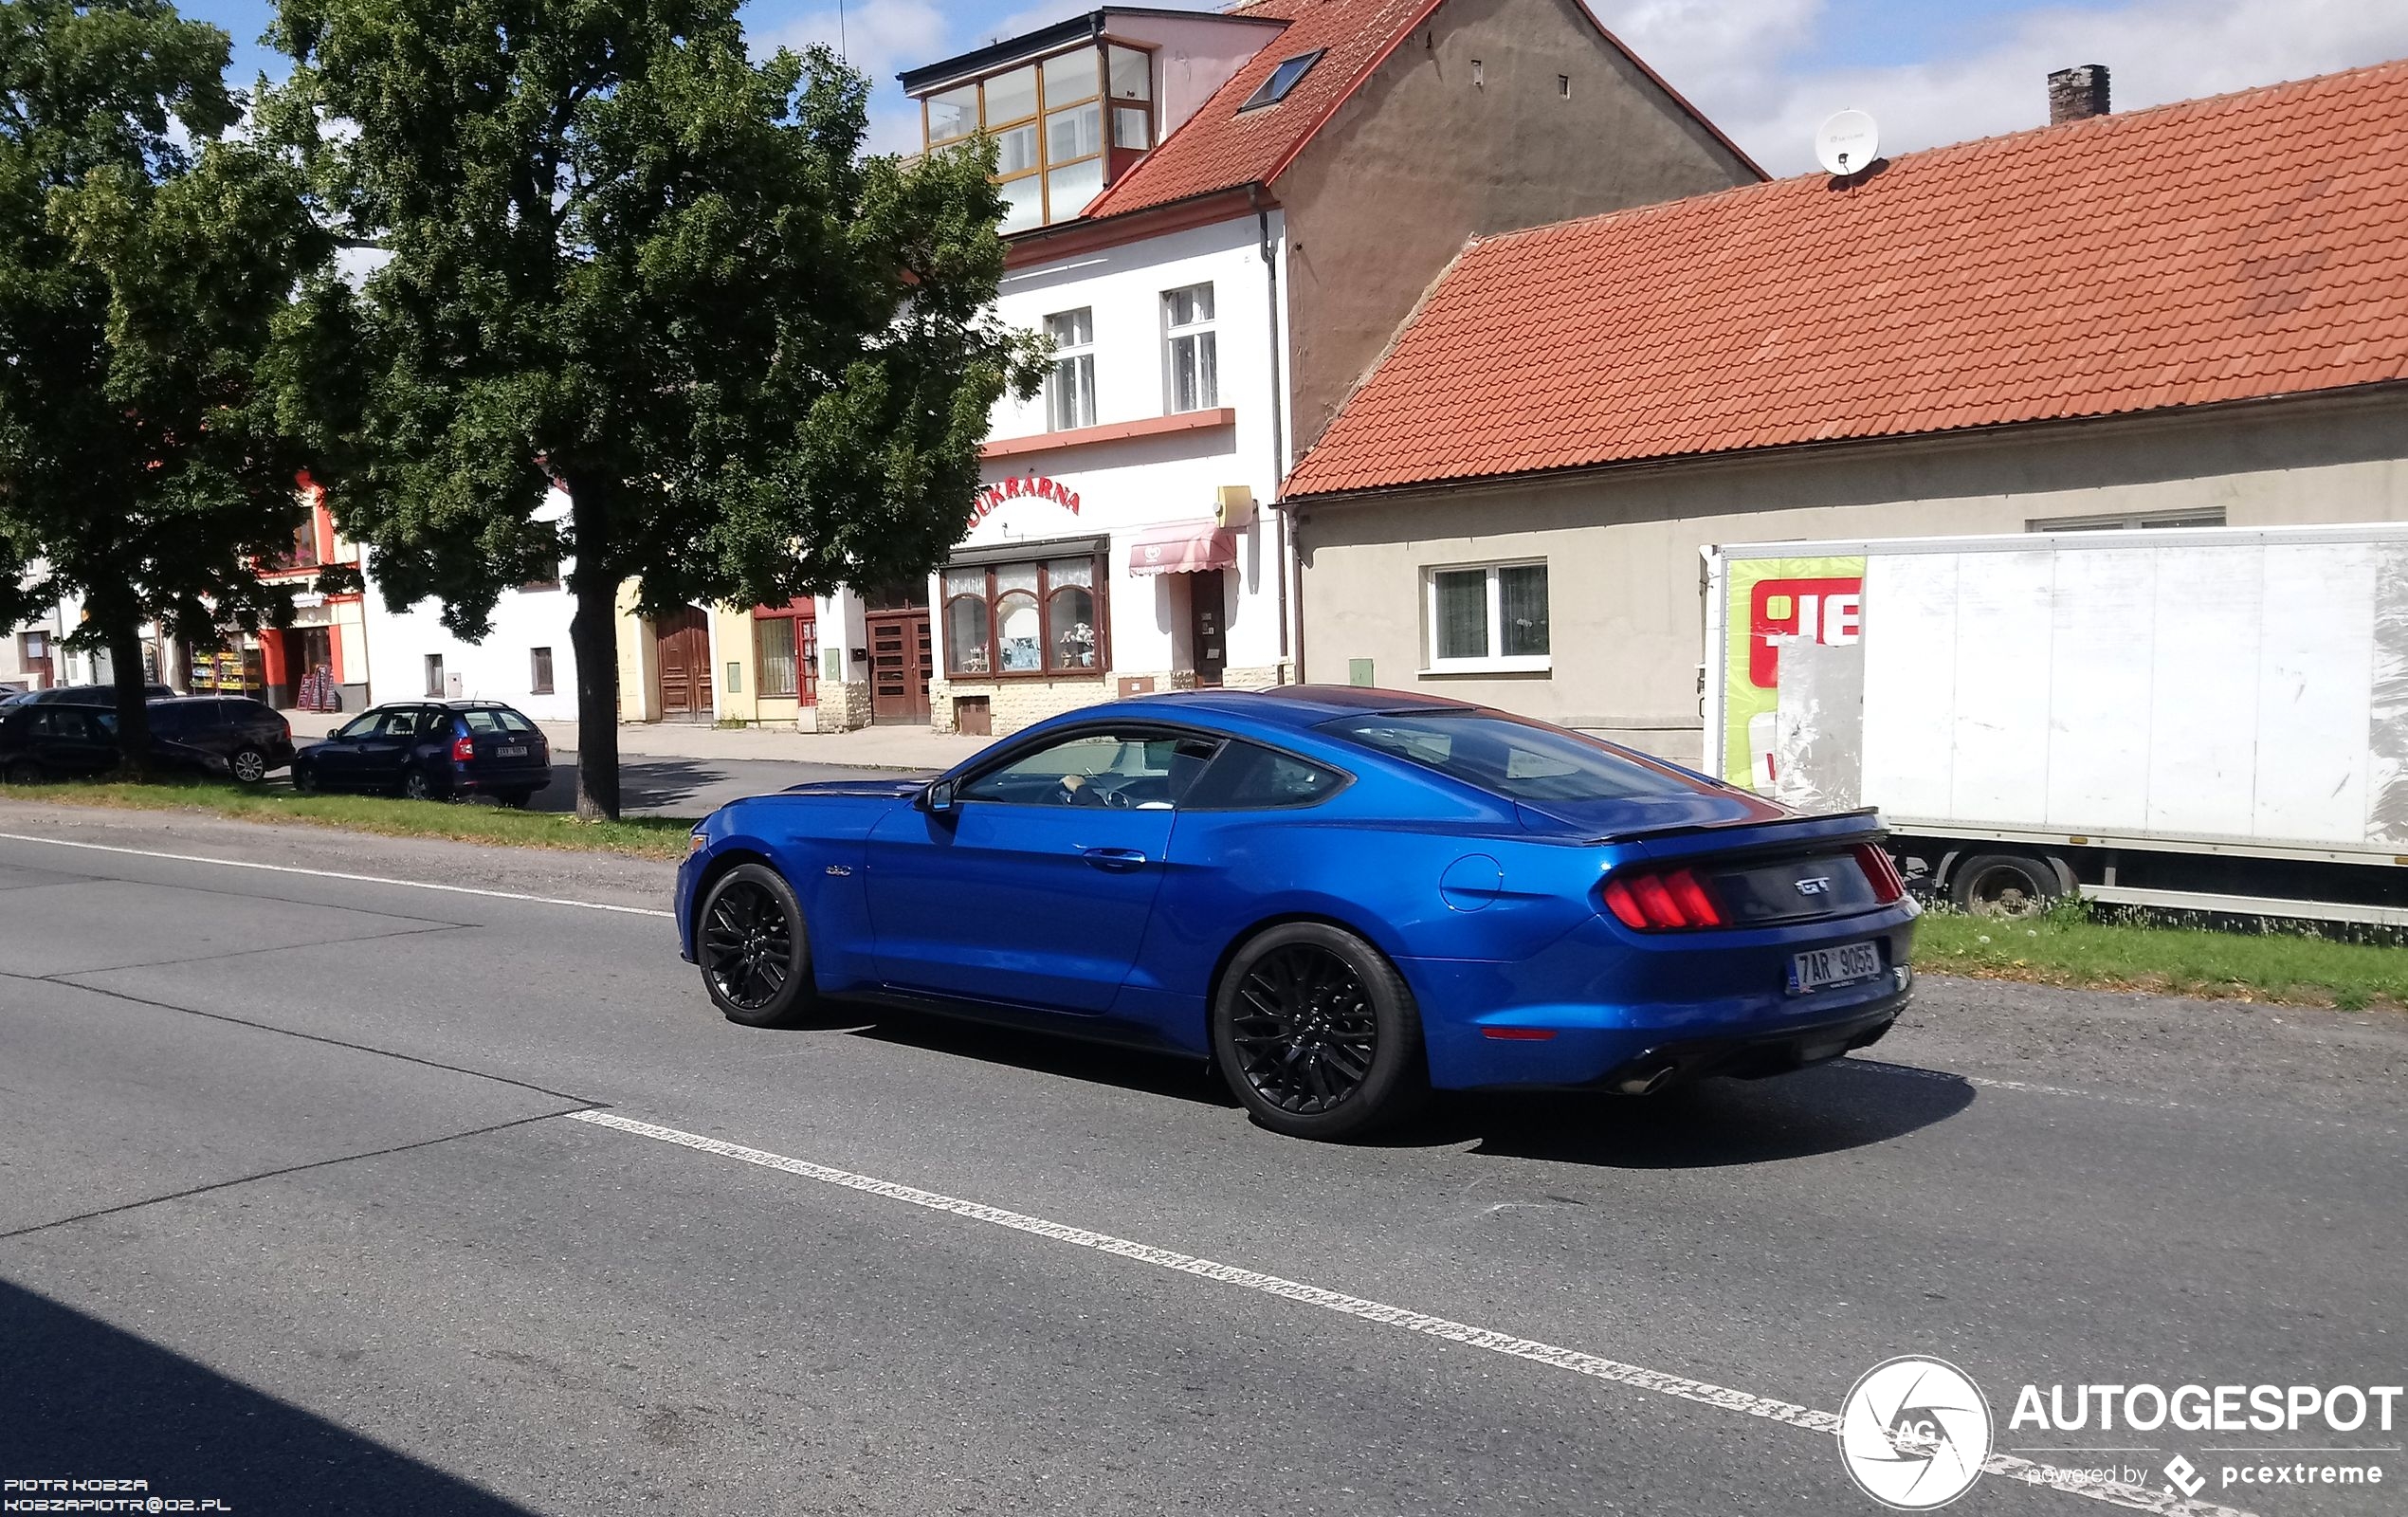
1340 897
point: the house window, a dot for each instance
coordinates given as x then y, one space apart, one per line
1043 617
1048 122
434 674
1069 391
2211 516
786 649
1274 89
1489 618
539 670
1191 352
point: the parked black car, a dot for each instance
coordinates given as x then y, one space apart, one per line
431 750
249 734
41 740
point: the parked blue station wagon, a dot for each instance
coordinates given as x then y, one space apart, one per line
1342 898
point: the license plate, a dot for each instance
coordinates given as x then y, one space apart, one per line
1822 968
515 751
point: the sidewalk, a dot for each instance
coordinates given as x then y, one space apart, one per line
871 748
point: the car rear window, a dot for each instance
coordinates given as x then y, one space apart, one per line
1520 761
488 720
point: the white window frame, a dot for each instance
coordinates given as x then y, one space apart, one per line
1492 663
1203 333
2209 515
1079 359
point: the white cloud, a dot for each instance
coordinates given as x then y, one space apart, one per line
879 37
1734 61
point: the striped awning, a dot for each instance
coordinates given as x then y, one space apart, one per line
1191 547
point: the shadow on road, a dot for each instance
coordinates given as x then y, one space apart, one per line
1706 1125
1715 1123
81 1399
645 784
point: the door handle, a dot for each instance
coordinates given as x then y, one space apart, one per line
1116 859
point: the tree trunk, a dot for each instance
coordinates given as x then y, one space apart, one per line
132 699
594 634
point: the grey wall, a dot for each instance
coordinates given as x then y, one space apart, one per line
1421 159
1623 547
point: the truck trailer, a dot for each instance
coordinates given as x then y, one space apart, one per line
2210 719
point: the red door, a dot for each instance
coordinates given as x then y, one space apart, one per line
682 640
902 661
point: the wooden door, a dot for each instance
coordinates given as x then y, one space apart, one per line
902 661
682 640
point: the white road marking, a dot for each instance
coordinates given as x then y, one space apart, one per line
1595 1366
335 874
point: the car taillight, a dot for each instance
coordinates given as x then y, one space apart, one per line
1662 901
464 750
1880 872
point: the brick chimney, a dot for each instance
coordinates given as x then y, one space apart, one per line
2077 94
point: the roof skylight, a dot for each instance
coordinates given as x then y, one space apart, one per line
1274 89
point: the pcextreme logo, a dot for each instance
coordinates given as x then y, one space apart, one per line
1914 1433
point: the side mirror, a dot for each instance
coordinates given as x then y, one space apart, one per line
938 799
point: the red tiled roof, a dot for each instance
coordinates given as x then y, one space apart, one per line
1221 147
2212 250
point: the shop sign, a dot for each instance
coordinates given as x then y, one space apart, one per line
991 498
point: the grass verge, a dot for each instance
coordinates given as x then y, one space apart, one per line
652 837
2073 944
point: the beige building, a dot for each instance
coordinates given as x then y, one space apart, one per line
2110 321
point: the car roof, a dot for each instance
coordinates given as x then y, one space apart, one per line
1291 705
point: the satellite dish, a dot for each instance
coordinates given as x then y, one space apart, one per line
1847 143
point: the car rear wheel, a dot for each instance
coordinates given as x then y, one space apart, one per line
750 943
25 772
247 765
1317 1033
414 785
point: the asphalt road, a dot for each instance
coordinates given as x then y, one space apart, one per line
304 1208
651 786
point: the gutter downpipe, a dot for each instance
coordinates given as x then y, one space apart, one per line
1279 444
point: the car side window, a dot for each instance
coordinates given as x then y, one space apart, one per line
1246 777
1140 770
361 726
400 724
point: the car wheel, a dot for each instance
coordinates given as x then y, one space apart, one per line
517 801
249 766
414 785
750 942
25 772
1317 1033
2004 884
304 779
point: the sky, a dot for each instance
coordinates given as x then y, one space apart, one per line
1767 71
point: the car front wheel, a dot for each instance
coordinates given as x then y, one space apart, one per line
1317 1035
750 943
249 766
306 780
25 772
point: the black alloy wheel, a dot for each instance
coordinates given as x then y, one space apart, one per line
752 947
1317 1033
249 766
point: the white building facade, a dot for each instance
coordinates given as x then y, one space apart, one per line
526 661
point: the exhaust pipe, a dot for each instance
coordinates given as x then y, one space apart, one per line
1647 1084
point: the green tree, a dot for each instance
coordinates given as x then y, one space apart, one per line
627 256
147 261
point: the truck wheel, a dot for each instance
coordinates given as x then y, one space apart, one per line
2004 884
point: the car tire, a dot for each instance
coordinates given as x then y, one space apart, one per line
306 780
517 801
247 765
25 772
1317 1033
754 955
416 785
2004 884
